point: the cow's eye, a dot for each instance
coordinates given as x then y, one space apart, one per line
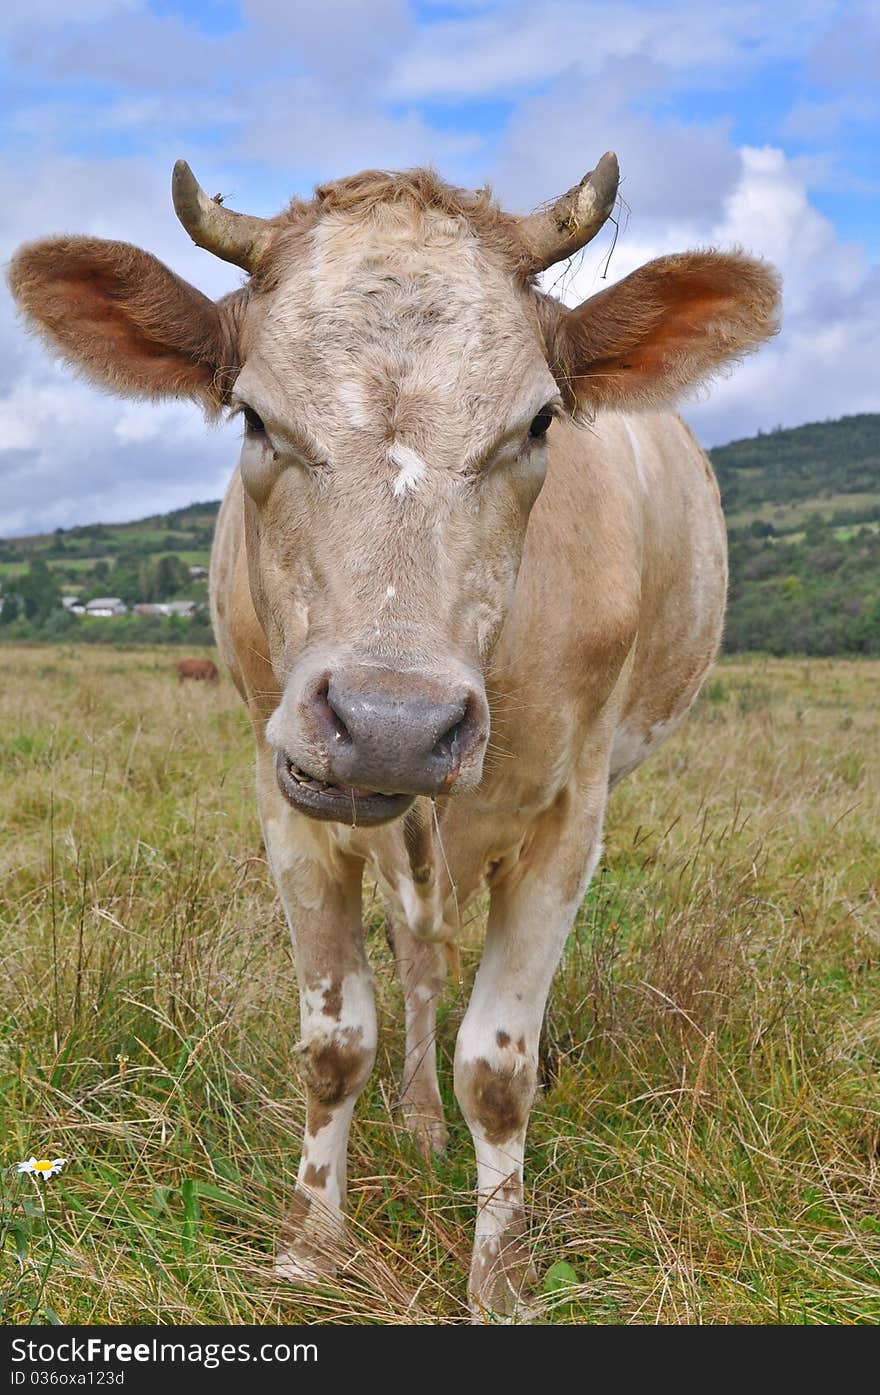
253 422
541 423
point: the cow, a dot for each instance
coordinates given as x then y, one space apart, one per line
469 572
199 669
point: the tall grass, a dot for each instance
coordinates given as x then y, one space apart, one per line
705 1146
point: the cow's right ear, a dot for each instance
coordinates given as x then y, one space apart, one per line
121 317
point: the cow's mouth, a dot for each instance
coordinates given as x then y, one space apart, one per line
321 799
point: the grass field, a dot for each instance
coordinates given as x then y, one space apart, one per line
791 514
706 1147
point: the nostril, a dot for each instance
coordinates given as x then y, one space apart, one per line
323 702
450 743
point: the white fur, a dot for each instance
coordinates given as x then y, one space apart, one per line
353 399
499 1170
638 458
411 469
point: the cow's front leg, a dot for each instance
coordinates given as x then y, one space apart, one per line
496 1055
321 893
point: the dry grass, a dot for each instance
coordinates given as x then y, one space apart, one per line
706 1145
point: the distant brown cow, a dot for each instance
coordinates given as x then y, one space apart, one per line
197 668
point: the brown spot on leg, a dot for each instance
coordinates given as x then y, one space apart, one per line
297 1215
318 1116
316 1176
496 1099
334 1068
333 1000
502 1039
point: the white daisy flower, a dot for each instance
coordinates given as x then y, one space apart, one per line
42 1167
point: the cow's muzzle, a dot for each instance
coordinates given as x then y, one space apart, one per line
366 740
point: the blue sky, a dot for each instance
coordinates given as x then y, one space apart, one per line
752 123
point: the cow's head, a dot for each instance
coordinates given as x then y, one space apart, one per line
397 373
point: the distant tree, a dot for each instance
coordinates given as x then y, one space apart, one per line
124 579
826 558
11 608
814 532
39 591
59 625
147 582
172 575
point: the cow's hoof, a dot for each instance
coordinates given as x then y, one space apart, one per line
312 1242
425 1121
517 1312
503 1282
506 1303
302 1267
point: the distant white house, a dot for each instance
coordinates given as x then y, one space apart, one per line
198 573
71 603
107 606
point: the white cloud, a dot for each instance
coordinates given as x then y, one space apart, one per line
71 455
667 166
323 133
139 422
523 45
38 14
68 452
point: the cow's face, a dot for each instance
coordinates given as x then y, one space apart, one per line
397 374
395 401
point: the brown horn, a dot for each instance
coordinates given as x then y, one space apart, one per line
552 234
236 237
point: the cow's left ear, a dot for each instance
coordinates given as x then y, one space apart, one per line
659 332
125 320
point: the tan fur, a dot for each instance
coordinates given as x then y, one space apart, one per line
418 190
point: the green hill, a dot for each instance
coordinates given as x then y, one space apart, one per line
73 552
803 516
830 468
803 513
